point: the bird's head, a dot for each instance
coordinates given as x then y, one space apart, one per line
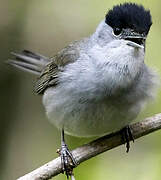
128 21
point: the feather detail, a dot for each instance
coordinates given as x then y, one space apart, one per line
29 61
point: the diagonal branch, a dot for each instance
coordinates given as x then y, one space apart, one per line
94 148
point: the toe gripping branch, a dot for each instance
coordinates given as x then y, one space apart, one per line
67 160
127 136
69 163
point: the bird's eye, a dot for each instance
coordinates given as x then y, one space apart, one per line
117 31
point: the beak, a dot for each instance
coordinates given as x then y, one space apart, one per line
134 39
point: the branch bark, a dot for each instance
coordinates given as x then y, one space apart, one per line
94 148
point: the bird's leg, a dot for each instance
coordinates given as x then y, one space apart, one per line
127 137
67 160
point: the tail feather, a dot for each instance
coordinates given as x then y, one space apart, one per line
25 66
29 61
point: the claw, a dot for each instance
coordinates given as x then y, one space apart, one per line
67 160
127 136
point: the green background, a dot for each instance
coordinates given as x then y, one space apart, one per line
27 139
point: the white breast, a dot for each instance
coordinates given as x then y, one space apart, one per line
78 103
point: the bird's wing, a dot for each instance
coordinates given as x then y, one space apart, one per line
49 75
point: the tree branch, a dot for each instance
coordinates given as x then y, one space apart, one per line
94 148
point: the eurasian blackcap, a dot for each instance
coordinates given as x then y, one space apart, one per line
99 84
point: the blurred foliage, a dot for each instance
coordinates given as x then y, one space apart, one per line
27 139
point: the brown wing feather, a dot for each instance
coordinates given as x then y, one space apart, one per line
49 75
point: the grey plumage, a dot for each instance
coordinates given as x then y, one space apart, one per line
101 83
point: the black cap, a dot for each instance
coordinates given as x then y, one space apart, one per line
129 15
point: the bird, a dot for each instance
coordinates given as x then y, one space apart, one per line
99 84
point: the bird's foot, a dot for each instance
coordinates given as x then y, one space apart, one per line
67 160
127 136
